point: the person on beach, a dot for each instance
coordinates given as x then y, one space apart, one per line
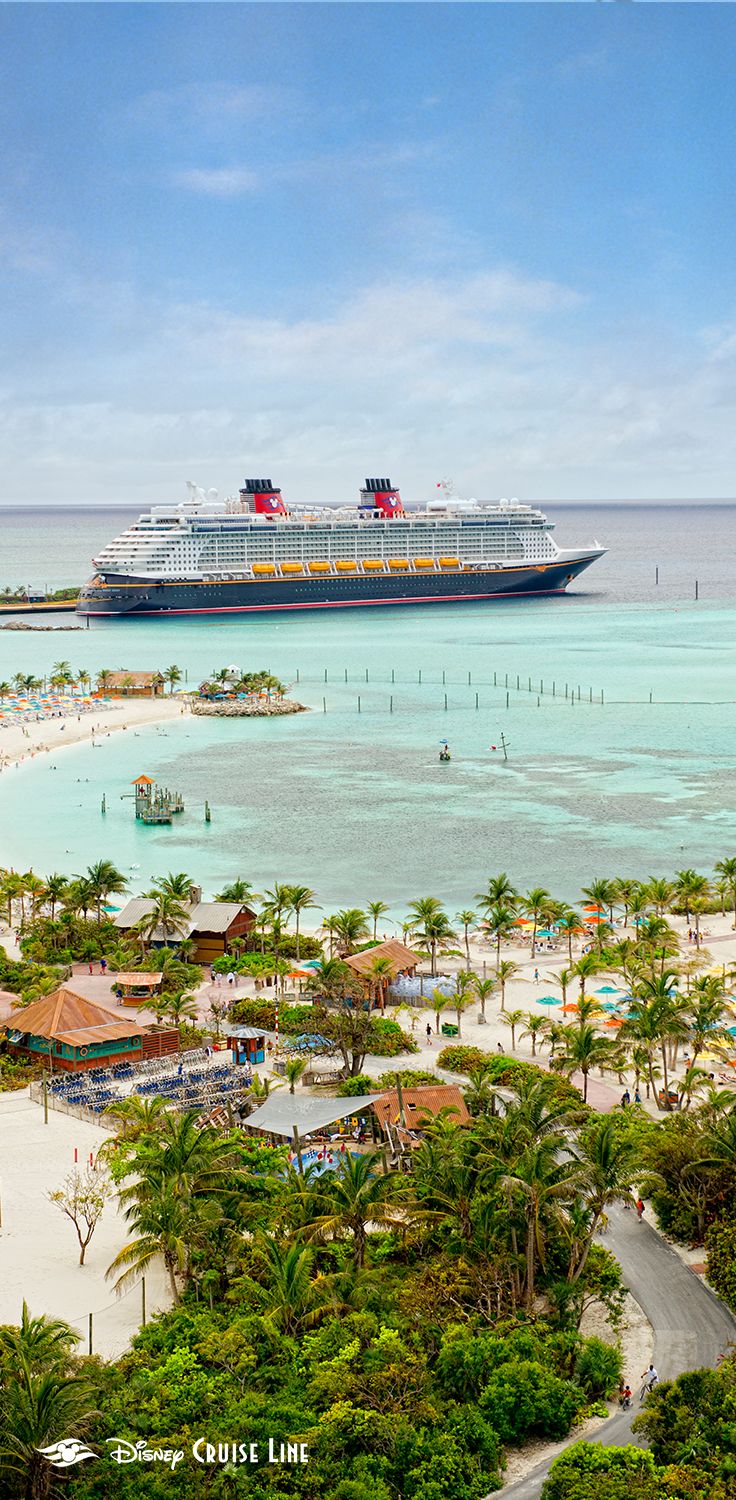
429 1035
103 965
640 1209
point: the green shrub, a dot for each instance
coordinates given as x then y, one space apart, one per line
598 1368
351 1087
463 1059
589 1471
720 1245
411 1078
523 1398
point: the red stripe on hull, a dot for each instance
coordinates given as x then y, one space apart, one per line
249 609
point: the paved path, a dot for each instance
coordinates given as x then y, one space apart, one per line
691 1327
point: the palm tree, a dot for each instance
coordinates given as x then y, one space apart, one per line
587 965
431 926
500 924
585 1048
484 989
167 915
689 887
625 889
104 880
536 904
162 1225
302 898
56 886
544 1181
181 1008
296 1298
439 1002
536 1026
359 1194
661 894
349 927
569 922
293 1070
172 675
727 868
136 1116
380 972
609 1163
504 972
103 679
708 1014
512 1019
657 1017
499 892
463 997
177 884
44 1402
466 919
240 891
602 893
375 909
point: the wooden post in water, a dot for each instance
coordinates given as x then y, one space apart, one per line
476 700
366 674
346 674
445 700
696 588
443 679
468 679
420 676
324 705
392 674
359 703
207 813
507 700
391 704
656 574
297 674
104 803
504 745
325 674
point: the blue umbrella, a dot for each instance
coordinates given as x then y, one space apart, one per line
608 989
548 1000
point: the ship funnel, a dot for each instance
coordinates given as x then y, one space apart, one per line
263 498
382 496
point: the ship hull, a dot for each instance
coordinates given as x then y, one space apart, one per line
126 596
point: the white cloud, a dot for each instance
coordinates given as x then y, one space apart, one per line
513 383
217 182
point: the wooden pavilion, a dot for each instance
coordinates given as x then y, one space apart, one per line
73 1033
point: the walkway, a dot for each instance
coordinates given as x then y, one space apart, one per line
691 1327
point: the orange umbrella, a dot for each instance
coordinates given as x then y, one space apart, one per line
570 1006
614 1021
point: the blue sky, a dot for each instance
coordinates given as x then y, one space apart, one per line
317 241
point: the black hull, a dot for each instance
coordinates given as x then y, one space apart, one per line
123 596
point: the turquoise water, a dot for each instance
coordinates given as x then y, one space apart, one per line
355 803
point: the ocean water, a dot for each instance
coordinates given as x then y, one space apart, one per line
351 798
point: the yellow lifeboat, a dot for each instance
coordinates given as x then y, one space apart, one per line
345 565
319 567
423 562
295 567
372 565
398 564
449 562
260 568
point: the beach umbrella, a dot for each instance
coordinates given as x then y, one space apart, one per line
608 989
548 1000
613 1021
592 906
545 932
608 1005
570 1007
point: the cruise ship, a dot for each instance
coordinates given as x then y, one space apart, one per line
252 552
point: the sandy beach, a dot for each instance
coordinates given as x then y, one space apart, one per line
24 741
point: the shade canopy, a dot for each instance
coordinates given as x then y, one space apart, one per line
283 1112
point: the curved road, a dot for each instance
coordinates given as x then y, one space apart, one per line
691 1326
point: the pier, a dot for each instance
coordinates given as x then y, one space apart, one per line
155 804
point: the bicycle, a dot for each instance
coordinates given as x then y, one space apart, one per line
646 1390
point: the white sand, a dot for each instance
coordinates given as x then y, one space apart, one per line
19 742
39 1252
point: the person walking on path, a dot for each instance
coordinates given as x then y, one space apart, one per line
640 1209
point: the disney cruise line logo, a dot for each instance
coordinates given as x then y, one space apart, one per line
66 1452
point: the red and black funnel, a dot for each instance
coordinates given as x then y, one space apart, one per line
263 498
382 496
